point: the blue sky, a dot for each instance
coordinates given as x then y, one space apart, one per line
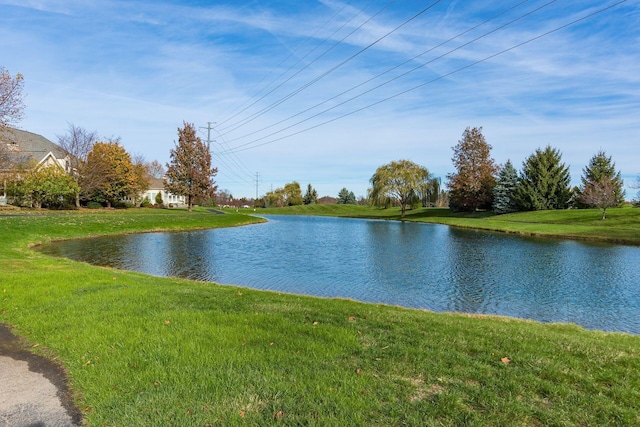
324 92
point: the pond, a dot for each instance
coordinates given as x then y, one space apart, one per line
427 266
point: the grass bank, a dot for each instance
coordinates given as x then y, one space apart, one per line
151 351
621 226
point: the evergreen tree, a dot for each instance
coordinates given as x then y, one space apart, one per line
311 196
599 173
471 187
346 197
189 172
504 191
544 181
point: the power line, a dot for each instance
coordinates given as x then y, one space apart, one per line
331 70
234 114
244 147
314 60
220 157
399 76
390 70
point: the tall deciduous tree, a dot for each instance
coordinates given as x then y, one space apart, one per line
275 198
602 182
142 179
471 187
504 199
77 144
189 171
11 98
109 174
310 196
544 181
293 194
399 180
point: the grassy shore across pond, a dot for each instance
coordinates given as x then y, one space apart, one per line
621 226
150 351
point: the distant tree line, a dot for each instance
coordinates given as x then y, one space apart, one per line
479 183
543 182
100 170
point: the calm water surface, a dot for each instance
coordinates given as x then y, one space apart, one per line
413 265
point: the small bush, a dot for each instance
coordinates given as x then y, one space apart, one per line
145 202
94 205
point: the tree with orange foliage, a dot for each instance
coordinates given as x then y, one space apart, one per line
109 175
189 172
472 186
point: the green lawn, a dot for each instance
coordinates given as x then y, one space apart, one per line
149 351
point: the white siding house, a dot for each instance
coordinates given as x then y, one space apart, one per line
168 199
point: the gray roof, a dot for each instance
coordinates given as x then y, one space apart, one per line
30 145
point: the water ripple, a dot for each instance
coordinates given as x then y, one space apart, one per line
413 265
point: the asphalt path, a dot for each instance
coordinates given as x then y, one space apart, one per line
33 389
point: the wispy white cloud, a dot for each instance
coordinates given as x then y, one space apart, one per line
138 69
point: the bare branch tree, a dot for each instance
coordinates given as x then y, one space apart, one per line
156 170
602 194
77 143
11 98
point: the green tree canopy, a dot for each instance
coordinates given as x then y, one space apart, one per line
504 200
275 198
601 172
399 180
544 181
189 171
310 196
471 187
46 186
293 194
346 197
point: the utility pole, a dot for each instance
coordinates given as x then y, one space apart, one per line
208 128
257 182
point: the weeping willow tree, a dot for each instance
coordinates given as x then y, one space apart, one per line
399 181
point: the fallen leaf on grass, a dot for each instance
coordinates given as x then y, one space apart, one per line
167 322
242 414
358 371
278 415
315 323
352 319
505 360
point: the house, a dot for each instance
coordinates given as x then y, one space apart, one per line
168 199
19 147
22 147
156 185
